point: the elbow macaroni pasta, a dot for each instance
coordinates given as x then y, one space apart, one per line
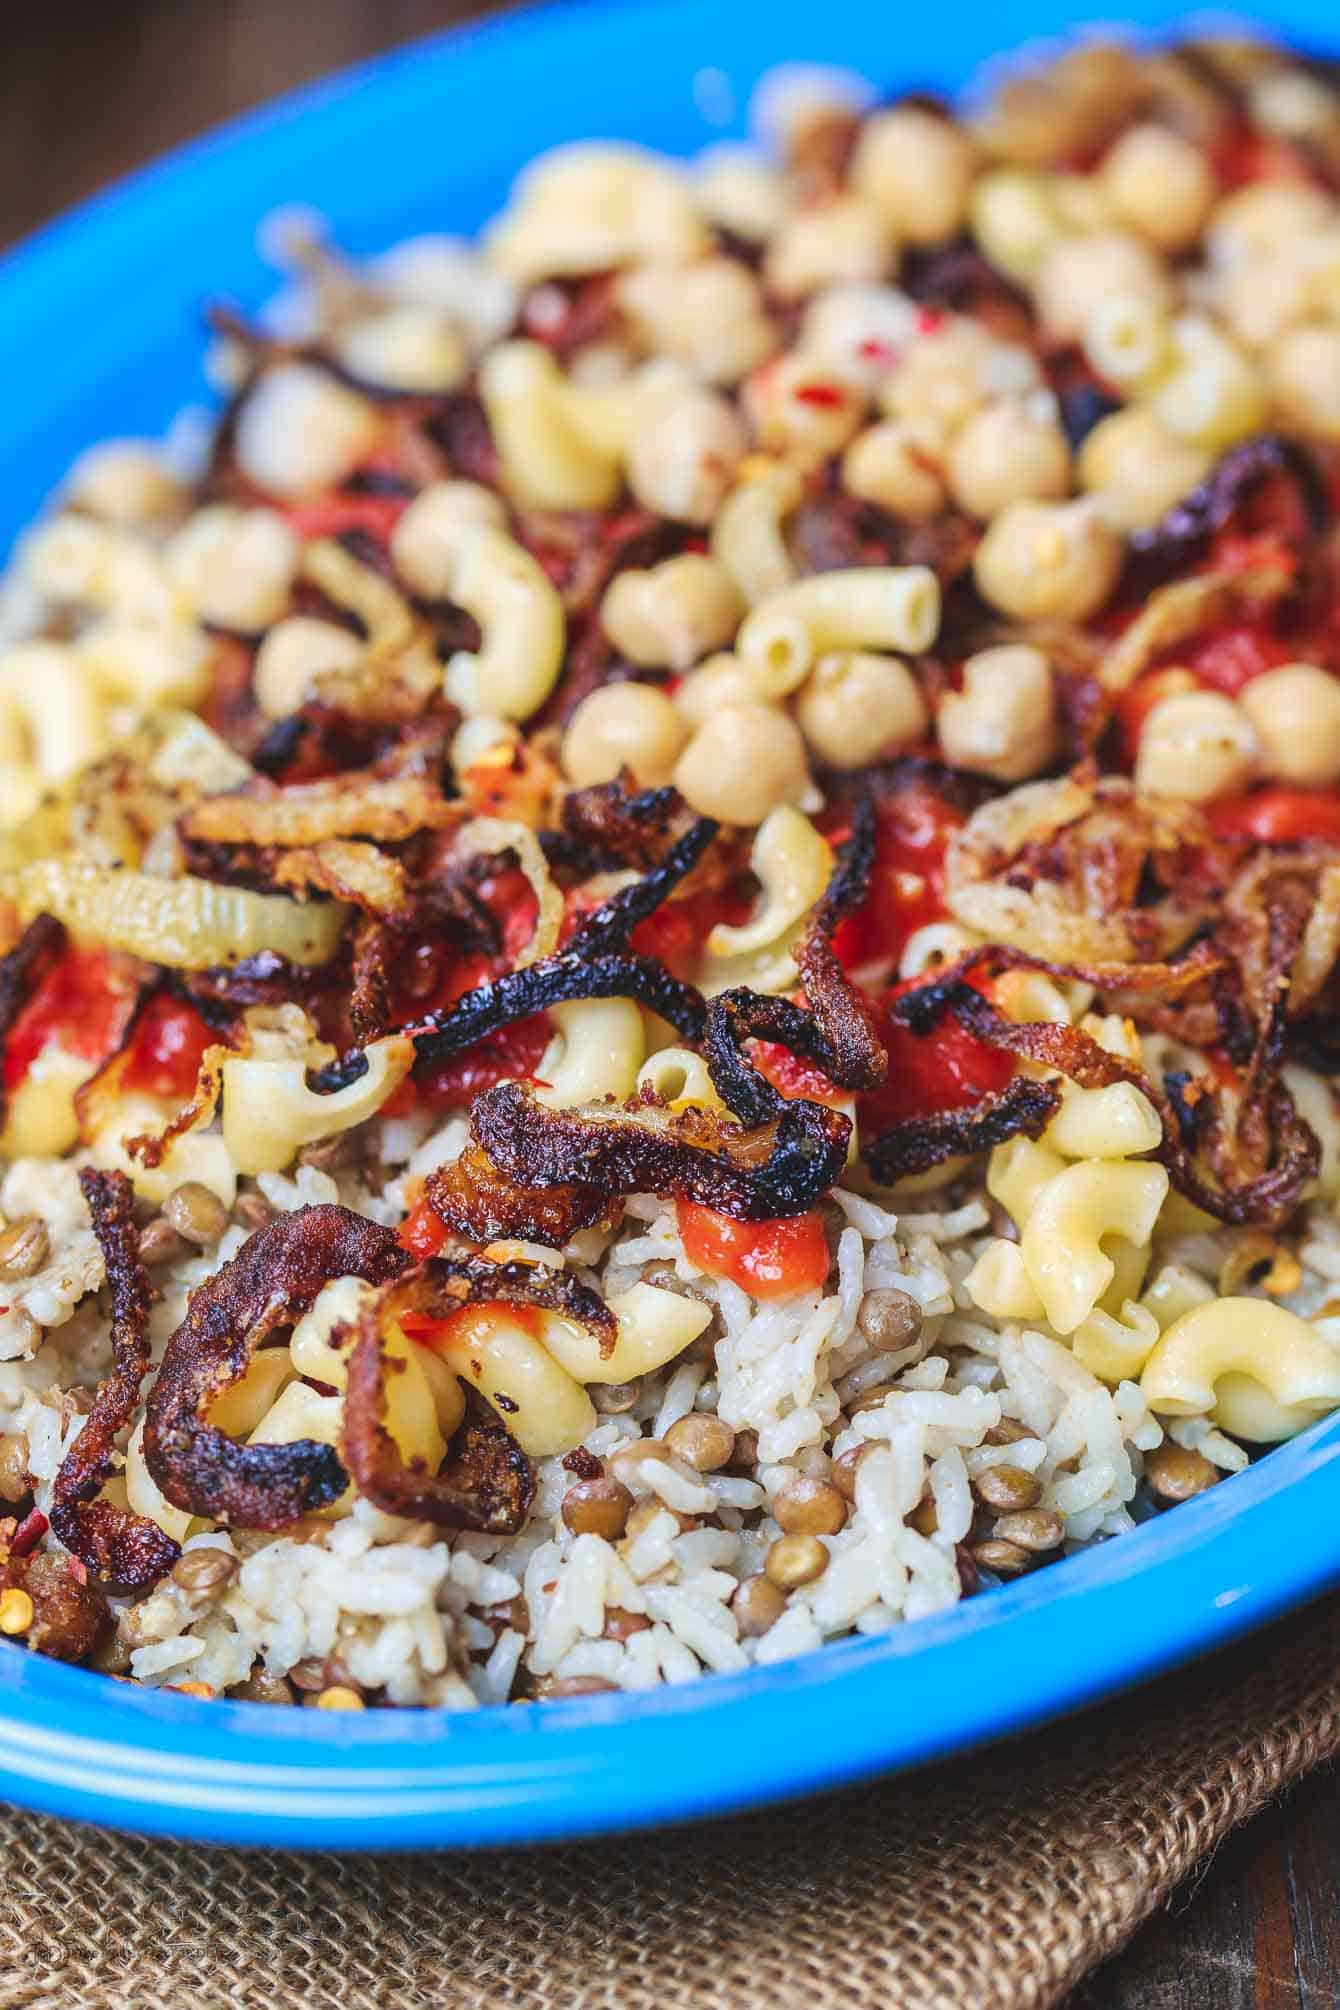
871 607
1261 1371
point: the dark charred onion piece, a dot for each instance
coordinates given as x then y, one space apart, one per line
1267 1197
370 998
477 1203
780 1168
70 1613
614 825
271 1282
1023 1108
489 1484
22 970
127 1549
1165 547
610 925
263 979
554 980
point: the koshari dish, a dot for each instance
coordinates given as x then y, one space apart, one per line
671 934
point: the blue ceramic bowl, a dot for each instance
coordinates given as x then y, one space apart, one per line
101 336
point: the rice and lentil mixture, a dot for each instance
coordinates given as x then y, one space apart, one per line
672 912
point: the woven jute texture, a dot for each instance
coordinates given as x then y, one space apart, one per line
991 1884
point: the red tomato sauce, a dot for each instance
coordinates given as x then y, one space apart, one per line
768 1259
472 1322
946 1069
422 1233
167 1048
338 511
84 1002
1278 815
907 883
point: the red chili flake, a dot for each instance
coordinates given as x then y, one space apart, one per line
29 1533
585 1464
930 320
828 396
876 351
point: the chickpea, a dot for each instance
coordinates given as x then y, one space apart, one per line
293 655
1303 373
1265 217
683 454
405 348
899 466
674 614
709 316
743 763
621 726
1041 560
236 565
917 169
1008 452
946 373
721 681
806 1506
1195 745
802 407
1160 185
1295 712
1014 220
1076 273
299 429
1137 469
856 706
1003 722
843 241
123 482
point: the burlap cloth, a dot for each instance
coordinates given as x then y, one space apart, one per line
990 1884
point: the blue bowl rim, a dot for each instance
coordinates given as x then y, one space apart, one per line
78 1745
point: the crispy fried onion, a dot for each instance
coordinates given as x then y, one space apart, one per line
1173 614
478 1203
1252 1171
22 970
780 1167
489 1484
350 870
387 810
270 1283
486 837
1165 547
1061 868
1305 884
127 1549
1022 1108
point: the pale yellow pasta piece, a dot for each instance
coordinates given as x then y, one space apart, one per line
269 1111
999 1284
654 1325
300 1413
680 1078
142 1493
40 1117
1116 1347
199 1155
548 461
97 565
1062 1240
1115 1122
1259 1370
596 1051
747 531
239 1410
589 208
1016 1173
793 864
894 607
545 1410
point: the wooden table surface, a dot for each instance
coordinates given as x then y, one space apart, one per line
90 88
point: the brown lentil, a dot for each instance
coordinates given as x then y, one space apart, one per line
923 1517
160 1243
757 1605
746 1449
252 1211
1007 1432
204 1569
262 1687
844 1470
197 1213
871 1400
1007 1489
703 1442
794 1560
1034 1529
889 1320
1006 1559
579 1685
1175 1473
613 1398
620 1624
14 1485
24 1248
598 1507
806 1506
309 1675
335 1154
